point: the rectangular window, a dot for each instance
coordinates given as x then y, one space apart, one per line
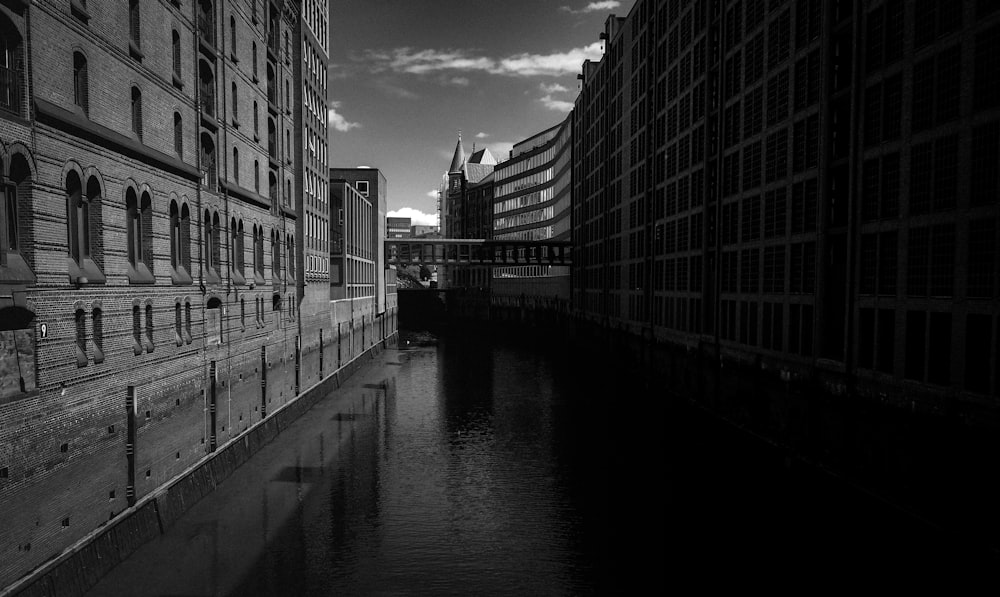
886 340
978 348
133 22
982 258
986 92
939 353
8 203
985 163
866 338
916 340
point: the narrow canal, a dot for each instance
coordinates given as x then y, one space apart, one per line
459 466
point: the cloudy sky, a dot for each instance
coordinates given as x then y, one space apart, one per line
407 75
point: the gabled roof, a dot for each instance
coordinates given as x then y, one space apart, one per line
476 172
458 161
483 156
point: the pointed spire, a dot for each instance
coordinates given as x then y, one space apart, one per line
458 161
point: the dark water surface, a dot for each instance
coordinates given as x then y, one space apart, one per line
472 467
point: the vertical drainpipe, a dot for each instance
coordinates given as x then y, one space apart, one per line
197 187
224 158
853 183
299 175
715 279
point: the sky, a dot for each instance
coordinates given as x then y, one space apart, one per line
407 75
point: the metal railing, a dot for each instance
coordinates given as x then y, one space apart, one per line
476 252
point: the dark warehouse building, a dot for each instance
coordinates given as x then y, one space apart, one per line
807 186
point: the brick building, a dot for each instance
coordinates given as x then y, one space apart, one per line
468 199
811 185
153 162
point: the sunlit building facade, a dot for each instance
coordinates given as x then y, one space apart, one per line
148 179
532 195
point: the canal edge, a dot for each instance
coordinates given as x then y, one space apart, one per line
80 566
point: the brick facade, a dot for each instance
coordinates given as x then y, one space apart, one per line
806 186
64 468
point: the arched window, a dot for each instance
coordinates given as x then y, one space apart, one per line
256 176
178 135
178 327
134 224
137 112
136 329
149 328
139 222
236 248
232 36
256 121
290 255
80 89
253 50
184 252
275 256
272 92
236 104
175 236
13 191
206 87
216 241
272 183
80 319
259 253
78 219
272 139
97 320
212 246
175 43
236 165
213 322
210 175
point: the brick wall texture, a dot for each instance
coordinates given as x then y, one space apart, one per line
64 469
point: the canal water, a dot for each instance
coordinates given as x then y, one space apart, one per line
464 466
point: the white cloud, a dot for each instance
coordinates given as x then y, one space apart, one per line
552 103
553 88
558 105
338 121
417 217
593 7
482 135
391 88
558 63
423 62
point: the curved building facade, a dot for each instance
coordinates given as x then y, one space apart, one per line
532 192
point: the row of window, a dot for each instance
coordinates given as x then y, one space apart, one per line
143 327
86 245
